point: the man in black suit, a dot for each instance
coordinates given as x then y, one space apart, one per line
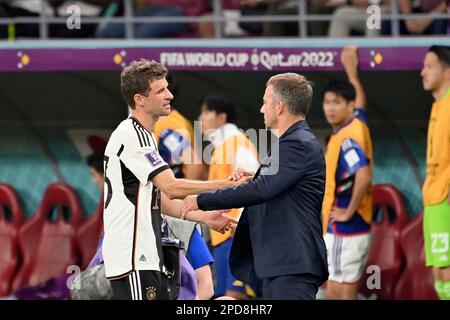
279 236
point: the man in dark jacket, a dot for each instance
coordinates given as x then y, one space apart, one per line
279 236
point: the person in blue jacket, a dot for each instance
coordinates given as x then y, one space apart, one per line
279 238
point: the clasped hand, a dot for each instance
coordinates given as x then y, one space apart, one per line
216 220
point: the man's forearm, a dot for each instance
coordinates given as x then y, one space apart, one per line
205 284
353 78
362 183
357 196
244 195
360 93
173 208
183 188
349 59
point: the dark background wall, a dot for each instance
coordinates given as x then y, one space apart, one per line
94 97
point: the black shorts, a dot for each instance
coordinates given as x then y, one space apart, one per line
141 285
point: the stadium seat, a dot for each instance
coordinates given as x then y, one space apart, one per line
389 219
11 217
47 242
89 234
416 282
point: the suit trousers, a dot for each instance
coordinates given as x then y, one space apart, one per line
302 286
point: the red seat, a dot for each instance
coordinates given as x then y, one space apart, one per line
416 282
89 234
385 251
49 247
11 217
231 4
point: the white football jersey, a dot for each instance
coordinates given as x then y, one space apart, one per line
132 215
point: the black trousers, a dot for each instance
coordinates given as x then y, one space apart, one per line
291 287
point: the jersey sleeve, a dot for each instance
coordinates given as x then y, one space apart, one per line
198 253
352 156
361 114
142 159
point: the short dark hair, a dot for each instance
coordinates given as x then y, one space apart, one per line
443 54
294 90
95 160
137 76
342 88
222 103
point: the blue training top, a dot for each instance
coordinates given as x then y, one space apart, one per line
351 159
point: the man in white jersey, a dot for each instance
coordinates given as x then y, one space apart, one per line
139 184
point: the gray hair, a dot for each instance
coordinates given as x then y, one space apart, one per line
294 90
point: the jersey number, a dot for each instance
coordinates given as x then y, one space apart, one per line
156 200
439 242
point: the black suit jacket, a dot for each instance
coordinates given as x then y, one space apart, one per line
280 230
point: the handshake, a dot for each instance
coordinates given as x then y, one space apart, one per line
217 220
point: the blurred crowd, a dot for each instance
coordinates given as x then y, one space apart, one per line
345 18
